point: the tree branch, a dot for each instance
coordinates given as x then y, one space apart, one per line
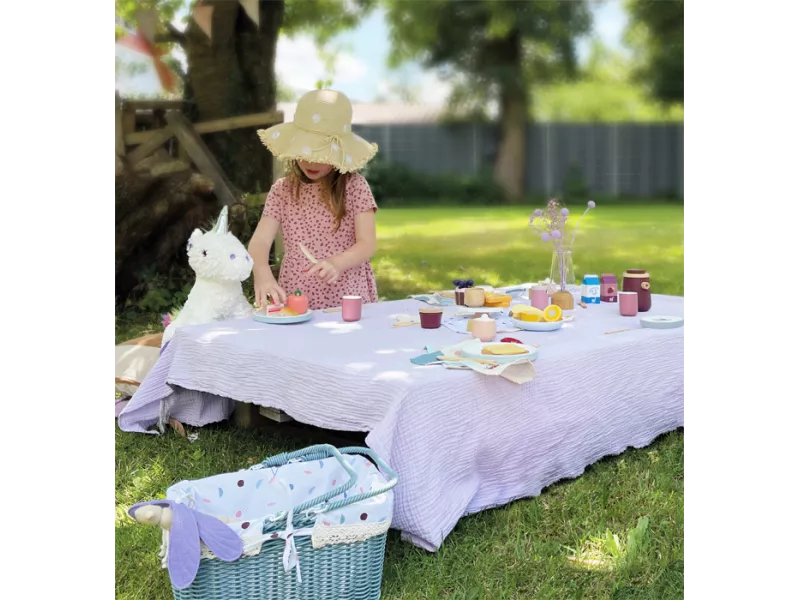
173 35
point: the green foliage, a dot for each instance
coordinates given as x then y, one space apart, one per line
394 183
487 46
323 19
655 33
166 9
605 92
161 292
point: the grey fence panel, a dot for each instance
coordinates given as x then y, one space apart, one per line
620 159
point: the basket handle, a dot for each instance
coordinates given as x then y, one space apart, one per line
376 492
317 452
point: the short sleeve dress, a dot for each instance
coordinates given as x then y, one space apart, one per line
308 221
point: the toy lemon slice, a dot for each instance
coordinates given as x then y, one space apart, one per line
552 313
527 313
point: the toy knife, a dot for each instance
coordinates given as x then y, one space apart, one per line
308 254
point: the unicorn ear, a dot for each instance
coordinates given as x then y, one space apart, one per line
195 234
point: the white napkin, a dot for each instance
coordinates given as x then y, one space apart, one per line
519 371
433 299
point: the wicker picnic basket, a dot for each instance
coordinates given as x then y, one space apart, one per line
330 546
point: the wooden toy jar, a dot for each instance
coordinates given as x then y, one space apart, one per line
638 280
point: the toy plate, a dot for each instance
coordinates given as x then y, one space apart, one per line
661 322
474 351
466 310
538 326
262 317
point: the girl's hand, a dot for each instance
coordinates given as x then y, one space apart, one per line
326 270
266 287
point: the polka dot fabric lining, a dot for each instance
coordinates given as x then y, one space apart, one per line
244 499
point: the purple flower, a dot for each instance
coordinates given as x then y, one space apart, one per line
545 237
556 235
537 212
564 212
592 204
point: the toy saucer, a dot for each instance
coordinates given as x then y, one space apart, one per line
474 351
538 326
468 310
263 317
661 322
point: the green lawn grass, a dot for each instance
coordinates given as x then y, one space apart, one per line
616 532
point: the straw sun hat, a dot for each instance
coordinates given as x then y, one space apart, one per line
320 133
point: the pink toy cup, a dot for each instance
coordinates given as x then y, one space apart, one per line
351 308
539 298
628 303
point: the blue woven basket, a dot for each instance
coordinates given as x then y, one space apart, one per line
344 571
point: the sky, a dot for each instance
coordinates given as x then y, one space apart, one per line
360 69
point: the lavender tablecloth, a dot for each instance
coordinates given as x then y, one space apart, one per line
461 442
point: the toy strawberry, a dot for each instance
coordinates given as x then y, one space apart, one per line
298 302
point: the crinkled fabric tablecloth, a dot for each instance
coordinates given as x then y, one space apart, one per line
460 442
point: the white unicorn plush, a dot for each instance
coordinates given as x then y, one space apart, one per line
221 264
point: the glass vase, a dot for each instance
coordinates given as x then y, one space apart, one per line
562 271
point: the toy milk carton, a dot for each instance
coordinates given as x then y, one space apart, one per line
608 287
590 290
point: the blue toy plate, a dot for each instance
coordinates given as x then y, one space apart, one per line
539 326
661 322
262 317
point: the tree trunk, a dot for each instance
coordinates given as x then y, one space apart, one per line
509 168
156 213
234 74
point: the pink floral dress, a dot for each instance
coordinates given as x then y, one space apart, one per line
308 221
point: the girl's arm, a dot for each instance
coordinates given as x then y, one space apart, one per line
364 248
262 240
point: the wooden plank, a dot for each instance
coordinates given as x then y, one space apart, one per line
254 120
153 104
243 415
153 143
274 414
128 121
119 141
265 119
201 156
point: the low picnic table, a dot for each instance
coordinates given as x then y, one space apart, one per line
460 441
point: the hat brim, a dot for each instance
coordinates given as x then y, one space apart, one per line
345 151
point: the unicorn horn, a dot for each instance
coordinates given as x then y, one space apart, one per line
222 221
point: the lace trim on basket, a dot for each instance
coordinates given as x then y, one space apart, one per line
324 535
321 536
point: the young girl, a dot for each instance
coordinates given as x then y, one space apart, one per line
322 204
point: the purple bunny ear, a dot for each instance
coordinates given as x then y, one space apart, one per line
219 538
161 503
183 557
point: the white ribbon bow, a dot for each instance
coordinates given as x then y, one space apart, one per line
291 560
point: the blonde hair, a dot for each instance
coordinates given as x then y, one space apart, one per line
333 187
